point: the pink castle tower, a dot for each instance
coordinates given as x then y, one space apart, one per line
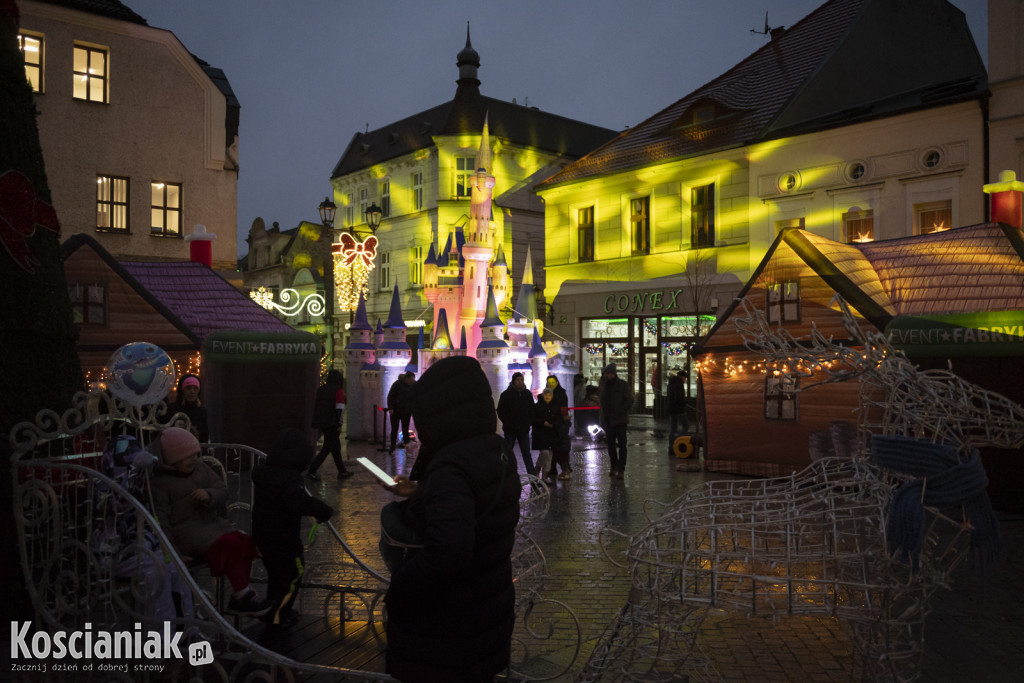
478 249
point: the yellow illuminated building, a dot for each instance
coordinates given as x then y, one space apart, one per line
863 121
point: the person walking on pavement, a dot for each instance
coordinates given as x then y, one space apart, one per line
616 401
677 423
562 445
515 410
400 407
547 421
328 408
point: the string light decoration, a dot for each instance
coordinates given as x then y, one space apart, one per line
313 302
353 261
262 296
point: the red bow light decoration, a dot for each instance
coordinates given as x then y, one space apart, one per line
350 249
21 212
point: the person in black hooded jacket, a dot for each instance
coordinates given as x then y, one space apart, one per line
280 501
451 604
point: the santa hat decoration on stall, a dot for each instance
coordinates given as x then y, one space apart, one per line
200 245
1006 201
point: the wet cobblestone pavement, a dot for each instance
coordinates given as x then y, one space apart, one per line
975 633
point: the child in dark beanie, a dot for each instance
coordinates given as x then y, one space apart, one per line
280 501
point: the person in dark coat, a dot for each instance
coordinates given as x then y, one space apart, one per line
677 422
560 451
515 410
186 401
400 407
328 408
616 401
280 501
451 603
546 434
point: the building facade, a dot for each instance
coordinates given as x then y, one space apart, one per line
139 137
864 121
419 171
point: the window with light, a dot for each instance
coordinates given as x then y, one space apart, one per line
31 47
165 210
111 203
933 217
90 74
859 225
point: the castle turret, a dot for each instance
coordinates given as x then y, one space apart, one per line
521 322
499 275
359 354
492 351
430 275
538 360
477 251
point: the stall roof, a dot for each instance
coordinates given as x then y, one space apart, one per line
190 295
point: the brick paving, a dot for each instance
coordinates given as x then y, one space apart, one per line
975 632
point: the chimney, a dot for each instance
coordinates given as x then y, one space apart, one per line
1006 199
200 245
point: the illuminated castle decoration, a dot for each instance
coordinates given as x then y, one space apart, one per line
465 281
458 280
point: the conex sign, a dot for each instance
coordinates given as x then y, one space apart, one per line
637 302
991 333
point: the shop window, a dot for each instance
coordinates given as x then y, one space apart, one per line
780 397
111 203
88 304
90 74
783 302
640 222
859 225
165 209
31 47
585 234
702 216
933 217
463 172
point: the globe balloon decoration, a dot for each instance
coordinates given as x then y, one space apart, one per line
140 374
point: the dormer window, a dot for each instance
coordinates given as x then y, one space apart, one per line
703 112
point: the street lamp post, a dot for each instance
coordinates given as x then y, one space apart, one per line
327 210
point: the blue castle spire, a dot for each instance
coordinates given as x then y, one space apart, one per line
395 314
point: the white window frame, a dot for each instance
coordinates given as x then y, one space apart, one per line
461 187
384 282
385 197
782 302
416 185
780 398
416 266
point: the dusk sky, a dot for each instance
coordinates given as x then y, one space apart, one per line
311 73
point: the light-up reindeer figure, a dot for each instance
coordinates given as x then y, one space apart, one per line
836 538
